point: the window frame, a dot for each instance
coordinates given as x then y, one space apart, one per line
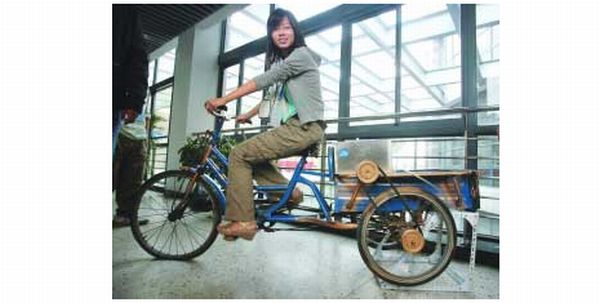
348 14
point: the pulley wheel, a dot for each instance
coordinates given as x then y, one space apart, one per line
412 241
367 171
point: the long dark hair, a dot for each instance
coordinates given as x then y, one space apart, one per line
273 52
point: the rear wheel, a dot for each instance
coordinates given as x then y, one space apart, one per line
402 247
183 215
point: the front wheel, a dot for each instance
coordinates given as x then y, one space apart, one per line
406 247
182 213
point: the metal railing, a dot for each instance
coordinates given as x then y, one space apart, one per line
441 112
457 110
156 160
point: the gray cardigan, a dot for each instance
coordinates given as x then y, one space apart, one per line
301 71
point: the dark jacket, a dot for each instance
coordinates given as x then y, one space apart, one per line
130 60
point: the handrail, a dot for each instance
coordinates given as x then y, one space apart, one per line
457 110
437 112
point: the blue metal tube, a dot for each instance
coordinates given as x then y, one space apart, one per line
220 157
315 173
289 188
296 178
215 187
217 130
318 196
271 187
283 218
216 172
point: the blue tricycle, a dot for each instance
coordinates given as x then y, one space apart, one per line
405 232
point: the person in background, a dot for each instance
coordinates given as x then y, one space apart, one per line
130 68
129 167
297 117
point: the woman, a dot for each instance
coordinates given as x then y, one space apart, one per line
297 117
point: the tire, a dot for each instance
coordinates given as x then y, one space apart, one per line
380 231
175 235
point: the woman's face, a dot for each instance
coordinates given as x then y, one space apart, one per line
283 35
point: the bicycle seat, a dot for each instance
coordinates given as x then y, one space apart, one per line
311 151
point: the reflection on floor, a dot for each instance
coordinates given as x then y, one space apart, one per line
280 265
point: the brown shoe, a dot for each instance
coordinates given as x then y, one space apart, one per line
297 197
232 230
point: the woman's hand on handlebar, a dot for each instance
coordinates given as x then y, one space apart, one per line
211 105
243 118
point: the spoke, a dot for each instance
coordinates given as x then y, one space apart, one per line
153 229
192 228
380 245
430 221
153 215
157 222
201 219
199 234
163 246
191 214
171 237
175 192
198 218
190 236
180 240
176 238
155 209
159 233
165 199
185 190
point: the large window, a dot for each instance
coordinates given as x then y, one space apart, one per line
252 67
430 64
428 153
166 66
376 75
151 73
488 47
159 109
246 25
429 71
231 80
372 82
327 44
159 122
488 164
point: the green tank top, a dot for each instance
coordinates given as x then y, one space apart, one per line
290 109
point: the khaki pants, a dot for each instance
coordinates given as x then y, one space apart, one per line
251 159
128 171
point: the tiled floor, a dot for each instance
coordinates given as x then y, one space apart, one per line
281 265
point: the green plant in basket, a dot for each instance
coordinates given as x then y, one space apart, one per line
192 151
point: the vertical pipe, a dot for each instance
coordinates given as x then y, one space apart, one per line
469 90
345 73
398 90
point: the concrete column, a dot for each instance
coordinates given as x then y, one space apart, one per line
196 79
